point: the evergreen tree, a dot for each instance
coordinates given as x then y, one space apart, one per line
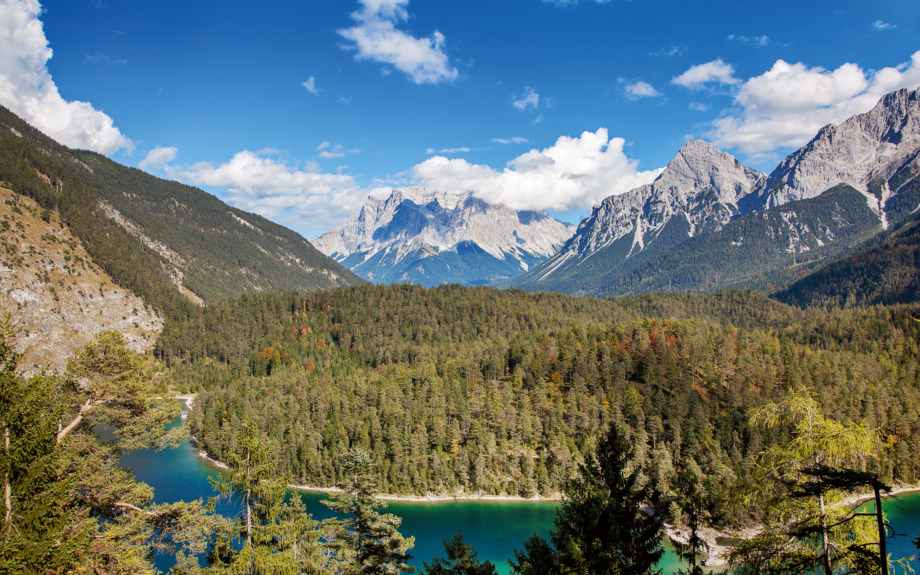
368 541
39 533
274 534
600 528
690 502
461 559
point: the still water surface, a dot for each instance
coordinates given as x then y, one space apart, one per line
494 528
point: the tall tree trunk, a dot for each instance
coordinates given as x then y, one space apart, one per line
7 489
882 544
825 546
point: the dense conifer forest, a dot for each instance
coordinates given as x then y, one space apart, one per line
474 390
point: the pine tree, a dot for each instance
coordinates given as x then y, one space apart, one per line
275 534
368 541
600 528
461 560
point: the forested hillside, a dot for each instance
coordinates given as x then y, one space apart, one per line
465 390
174 245
888 273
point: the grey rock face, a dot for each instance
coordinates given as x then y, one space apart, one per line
865 152
701 186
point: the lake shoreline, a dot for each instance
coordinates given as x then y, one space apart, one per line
428 498
718 554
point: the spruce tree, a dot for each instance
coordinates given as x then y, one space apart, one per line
461 559
368 541
40 532
600 528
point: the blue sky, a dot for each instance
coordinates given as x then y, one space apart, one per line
299 110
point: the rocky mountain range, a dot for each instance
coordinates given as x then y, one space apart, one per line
698 192
875 155
428 237
172 244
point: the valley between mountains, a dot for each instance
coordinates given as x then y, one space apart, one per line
682 342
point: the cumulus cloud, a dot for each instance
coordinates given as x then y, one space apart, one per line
157 158
530 99
310 85
698 76
304 199
376 38
26 86
574 173
787 105
641 89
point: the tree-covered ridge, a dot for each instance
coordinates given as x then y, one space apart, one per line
886 274
475 390
151 235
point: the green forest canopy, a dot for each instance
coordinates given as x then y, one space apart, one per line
476 390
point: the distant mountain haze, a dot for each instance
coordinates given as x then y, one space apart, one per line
430 238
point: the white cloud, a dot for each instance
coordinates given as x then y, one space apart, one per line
376 38
462 150
641 89
514 140
157 158
881 26
698 107
787 105
100 58
701 74
327 151
305 199
26 86
757 41
530 99
310 85
574 173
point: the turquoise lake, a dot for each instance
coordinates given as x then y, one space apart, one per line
494 528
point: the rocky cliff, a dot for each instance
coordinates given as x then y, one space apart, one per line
57 297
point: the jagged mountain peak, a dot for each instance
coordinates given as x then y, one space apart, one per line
699 165
864 152
415 224
698 190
